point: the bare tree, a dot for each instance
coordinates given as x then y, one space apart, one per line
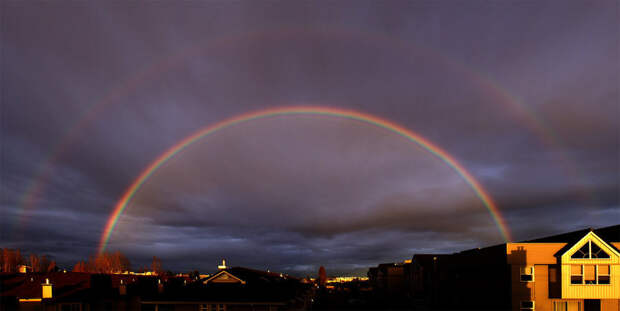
44 264
104 263
10 259
80 266
156 266
35 263
52 266
322 278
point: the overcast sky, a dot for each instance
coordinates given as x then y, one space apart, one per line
524 94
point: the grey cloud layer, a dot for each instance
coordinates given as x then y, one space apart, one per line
523 94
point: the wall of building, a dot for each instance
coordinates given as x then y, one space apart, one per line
591 291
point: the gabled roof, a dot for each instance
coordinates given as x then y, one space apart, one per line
607 234
223 277
259 287
590 236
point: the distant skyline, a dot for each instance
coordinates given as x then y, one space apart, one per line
523 95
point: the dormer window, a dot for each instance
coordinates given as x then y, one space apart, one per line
590 251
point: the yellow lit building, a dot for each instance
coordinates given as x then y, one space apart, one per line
574 271
568 272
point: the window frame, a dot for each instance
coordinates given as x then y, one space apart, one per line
589 254
533 307
212 307
597 275
608 275
523 272
580 275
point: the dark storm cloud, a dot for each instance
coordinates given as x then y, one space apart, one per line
523 94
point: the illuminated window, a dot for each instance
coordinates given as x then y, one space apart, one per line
589 251
527 274
527 305
576 274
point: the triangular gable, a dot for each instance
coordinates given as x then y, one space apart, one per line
224 277
583 245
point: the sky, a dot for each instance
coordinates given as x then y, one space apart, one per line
524 95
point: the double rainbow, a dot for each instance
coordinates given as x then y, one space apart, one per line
303 110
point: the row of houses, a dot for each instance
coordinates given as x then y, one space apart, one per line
228 289
576 271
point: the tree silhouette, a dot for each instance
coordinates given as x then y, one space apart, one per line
80 266
104 263
35 263
322 278
52 266
156 266
10 260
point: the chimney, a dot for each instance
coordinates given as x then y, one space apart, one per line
223 265
122 288
160 286
47 289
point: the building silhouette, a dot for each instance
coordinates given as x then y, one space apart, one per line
575 271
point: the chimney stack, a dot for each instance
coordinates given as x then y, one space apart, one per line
122 288
47 289
160 286
223 265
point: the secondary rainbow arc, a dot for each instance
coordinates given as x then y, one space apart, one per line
480 192
534 122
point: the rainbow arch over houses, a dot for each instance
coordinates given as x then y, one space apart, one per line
369 119
489 86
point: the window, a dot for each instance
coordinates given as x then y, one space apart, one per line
553 274
527 305
590 274
212 307
583 252
603 274
566 305
597 252
576 274
589 251
527 274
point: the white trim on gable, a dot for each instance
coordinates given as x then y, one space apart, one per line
224 275
591 236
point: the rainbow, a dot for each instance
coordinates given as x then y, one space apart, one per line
534 123
302 110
